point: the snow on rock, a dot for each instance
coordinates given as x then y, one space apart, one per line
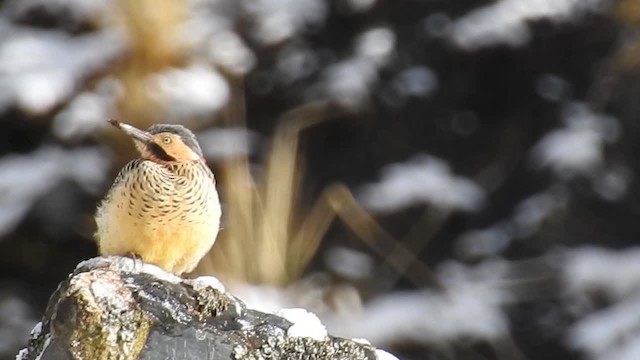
507 21
197 91
376 44
36 72
578 147
609 334
598 270
305 324
230 52
206 18
349 81
27 177
424 179
273 21
429 317
263 298
349 263
126 264
222 143
87 111
202 282
383 355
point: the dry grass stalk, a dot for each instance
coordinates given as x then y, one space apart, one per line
153 28
266 239
269 239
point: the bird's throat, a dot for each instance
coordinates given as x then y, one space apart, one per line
156 153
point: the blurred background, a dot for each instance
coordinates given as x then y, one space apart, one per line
447 179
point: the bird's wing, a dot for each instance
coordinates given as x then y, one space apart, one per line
127 169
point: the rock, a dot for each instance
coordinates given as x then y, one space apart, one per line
118 308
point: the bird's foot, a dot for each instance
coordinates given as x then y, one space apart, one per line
136 258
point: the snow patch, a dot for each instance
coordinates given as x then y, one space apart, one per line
229 51
507 21
273 21
305 324
25 178
219 144
611 333
203 282
429 317
195 92
126 264
36 72
383 355
424 179
35 332
592 269
578 147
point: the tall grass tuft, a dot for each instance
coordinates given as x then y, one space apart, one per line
268 237
153 29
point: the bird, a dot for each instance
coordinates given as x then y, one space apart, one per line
162 207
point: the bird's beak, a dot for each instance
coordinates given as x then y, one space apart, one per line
135 133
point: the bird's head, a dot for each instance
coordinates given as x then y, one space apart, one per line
163 143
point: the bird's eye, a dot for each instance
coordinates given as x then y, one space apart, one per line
166 140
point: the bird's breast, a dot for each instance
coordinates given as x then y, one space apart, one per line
152 206
182 194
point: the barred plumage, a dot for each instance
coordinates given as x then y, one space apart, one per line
165 211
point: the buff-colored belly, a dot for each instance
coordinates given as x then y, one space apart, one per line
174 240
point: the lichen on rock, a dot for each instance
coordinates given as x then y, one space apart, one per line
115 308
